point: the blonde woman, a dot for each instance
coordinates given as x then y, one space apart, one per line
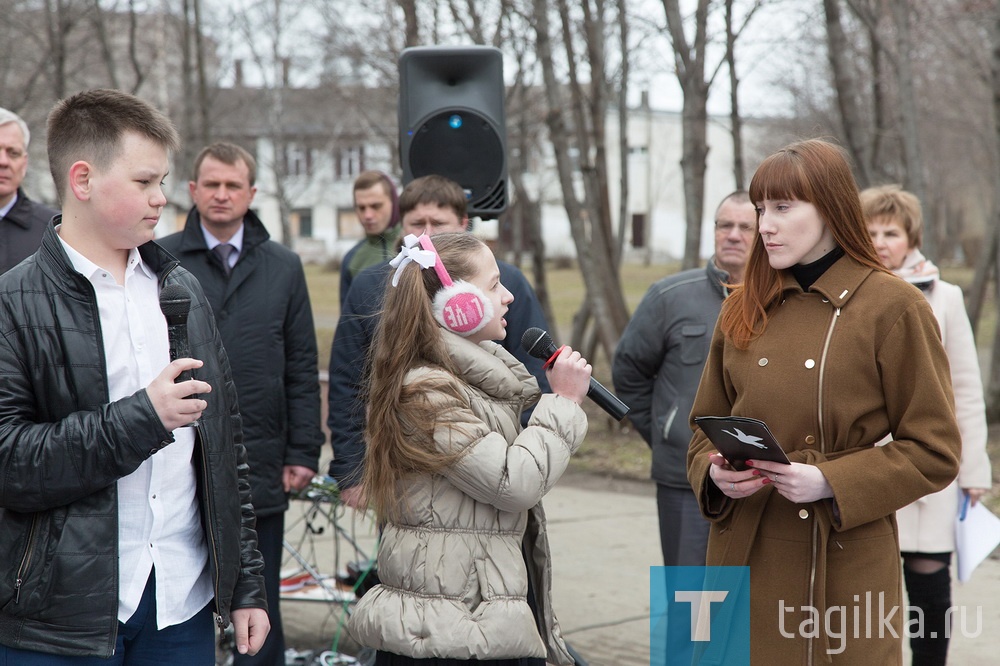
927 527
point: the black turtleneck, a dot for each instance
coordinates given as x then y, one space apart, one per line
807 274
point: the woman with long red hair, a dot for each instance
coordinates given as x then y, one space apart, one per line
834 353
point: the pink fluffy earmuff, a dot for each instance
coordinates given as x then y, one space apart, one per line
459 306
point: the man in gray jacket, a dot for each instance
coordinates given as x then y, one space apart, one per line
658 365
22 220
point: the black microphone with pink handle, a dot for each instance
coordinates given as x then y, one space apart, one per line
539 344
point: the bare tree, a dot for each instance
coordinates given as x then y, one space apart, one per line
847 92
908 109
409 8
690 64
992 260
583 135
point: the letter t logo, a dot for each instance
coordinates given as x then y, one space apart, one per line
701 610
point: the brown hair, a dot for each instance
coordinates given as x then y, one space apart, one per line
90 126
895 203
401 421
227 153
436 190
819 173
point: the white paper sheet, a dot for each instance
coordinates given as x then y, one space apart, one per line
976 536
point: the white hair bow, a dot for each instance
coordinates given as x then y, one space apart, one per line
411 251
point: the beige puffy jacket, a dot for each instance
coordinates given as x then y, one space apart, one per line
454 575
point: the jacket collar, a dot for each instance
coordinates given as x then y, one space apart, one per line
490 368
18 214
192 238
54 262
838 284
717 277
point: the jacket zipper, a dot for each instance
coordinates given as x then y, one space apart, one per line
210 509
29 550
822 449
209 529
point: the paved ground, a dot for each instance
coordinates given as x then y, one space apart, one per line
604 539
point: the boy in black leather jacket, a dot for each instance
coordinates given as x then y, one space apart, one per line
105 548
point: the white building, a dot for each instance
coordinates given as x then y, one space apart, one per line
322 155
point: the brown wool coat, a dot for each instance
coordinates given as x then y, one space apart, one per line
838 368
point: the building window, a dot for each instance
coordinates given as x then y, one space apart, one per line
302 222
638 230
350 161
298 160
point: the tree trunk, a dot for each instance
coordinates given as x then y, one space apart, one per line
908 109
623 144
189 144
735 120
690 64
601 281
409 8
992 389
204 129
846 92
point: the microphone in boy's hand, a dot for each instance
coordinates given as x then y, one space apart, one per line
175 303
539 344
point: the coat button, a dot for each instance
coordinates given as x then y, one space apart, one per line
810 364
762 362
810 439
803 514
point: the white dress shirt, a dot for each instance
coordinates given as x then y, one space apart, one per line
159 523
10 204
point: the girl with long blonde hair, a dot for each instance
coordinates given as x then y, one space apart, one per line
454 481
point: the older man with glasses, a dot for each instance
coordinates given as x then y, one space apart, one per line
658 365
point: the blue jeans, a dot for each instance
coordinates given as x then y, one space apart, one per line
139 643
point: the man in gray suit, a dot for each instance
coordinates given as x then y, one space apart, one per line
658 366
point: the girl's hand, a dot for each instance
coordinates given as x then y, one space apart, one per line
569 376
799 483
733 484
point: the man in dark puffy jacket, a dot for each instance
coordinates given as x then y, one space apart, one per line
122 527
658 365
258 292
21 219
431 205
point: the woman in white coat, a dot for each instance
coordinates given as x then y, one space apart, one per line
927 527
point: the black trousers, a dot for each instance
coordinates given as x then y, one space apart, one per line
683 530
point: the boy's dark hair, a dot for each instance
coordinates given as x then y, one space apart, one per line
227 153
90 125
436 190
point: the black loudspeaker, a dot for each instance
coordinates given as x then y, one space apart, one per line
452 121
